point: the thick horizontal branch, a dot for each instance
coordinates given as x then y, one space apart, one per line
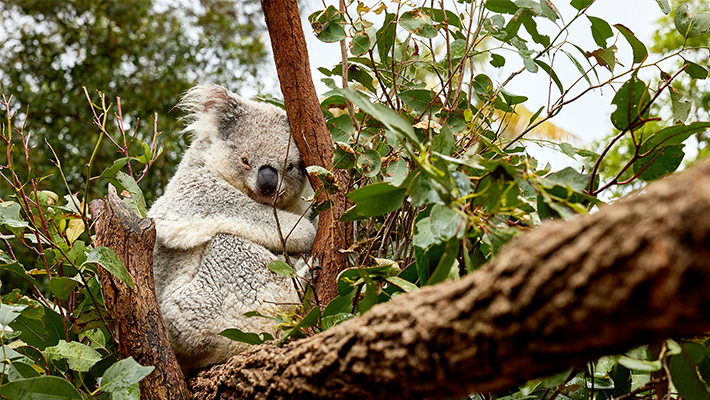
634 272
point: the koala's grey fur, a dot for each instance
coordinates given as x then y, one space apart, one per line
216 229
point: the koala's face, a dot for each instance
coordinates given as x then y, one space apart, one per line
251 147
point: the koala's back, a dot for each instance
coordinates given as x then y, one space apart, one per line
214 294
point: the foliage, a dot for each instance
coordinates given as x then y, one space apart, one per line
147 53
438 184
57 339
687 98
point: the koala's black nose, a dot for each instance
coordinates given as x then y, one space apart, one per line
267 181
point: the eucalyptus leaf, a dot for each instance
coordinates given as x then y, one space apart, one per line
108 259
123 374
246 337
78 356
690 25
40 388
281 268
639 49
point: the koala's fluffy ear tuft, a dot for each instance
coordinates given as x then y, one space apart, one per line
203 106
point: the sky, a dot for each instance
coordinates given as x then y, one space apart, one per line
588 118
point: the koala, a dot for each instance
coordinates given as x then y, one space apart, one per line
216 224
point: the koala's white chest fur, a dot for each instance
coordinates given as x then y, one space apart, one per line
216 234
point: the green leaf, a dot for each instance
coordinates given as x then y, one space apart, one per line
441 225
691 26
446 266
134 199
552 74
672 135
685 377
502 6
605 57
108 259
132 392
335 319
630 100
281 268
393 121
549 10
639 49
531 26
385 37
402 284
79 356
370 162
581 4
497 60
567 149
557 379
665 7
601 31
246 337
570 178
512 99
41 388
679 106
42 332
659 163
110 173
328 25
124 374
360 44
396 172
695 71
636 364
10 215
377 199
419 23
62 286
22 370
311 319
9 312
421 100
340 304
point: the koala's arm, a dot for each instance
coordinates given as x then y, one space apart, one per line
192 214
261 228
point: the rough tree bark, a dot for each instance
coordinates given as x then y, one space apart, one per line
137 323
568 292
311 136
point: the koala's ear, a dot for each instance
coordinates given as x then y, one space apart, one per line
205 106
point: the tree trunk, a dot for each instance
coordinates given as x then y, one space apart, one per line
634 272
137 322
311 136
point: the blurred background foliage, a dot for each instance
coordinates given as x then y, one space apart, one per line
145 52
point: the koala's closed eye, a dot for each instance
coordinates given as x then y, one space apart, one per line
289 168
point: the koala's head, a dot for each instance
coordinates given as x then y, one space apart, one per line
248 143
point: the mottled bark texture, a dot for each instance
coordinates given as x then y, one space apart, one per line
137 322
311 136
634 272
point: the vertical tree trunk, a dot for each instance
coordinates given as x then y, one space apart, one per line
311 136
137 322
